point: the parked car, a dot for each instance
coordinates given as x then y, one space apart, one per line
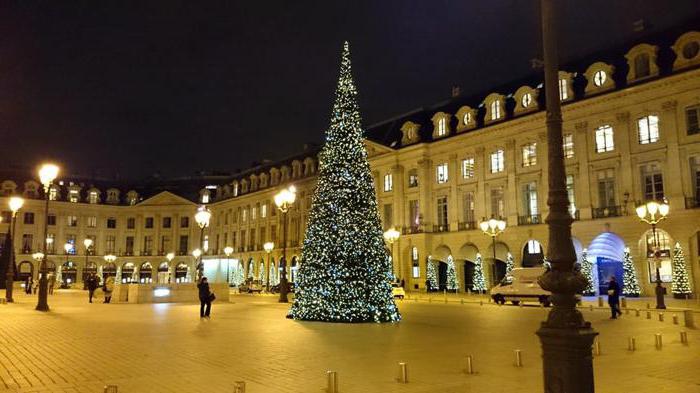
290 288
520 285
250 286
397 290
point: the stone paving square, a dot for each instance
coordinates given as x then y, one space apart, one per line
80 347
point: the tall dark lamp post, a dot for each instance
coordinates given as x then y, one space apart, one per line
16 204
652 213
566 338
47 174
268 247
284 200
392 235
202 218
87 243
493 227
228 250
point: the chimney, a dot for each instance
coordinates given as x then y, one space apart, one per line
456 91
640 25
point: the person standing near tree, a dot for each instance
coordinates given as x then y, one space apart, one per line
614 297
92 286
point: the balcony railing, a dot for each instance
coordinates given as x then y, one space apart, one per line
465 226
692 203
608 211
441 228
411 230
531 219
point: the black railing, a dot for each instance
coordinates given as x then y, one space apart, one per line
411 230
692 203
608 211
531 219
441 228
465 226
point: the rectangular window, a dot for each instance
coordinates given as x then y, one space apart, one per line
469 207
252 238
130 223
244 216
51 219
254 212
53 194
92 197
414 213
497 161
692 118
530 154
129 245
167 222
73 196
442 213
273 234
571 194
148 245
498 207
262 235
27 243
51 243
530 199
184 244
388 182
695 176
184 222
110 244
111 223
164 244
442 127
92 222
414 262
243 243
234 239
468 168
263 210
653 183
648 129
72 221
412 179
563 91
606 188
388 216
29 218
70 239
604 139
7 216
148 222
568 145
441 173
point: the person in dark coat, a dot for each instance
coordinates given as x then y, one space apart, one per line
28 285
614 297
92 285
204 298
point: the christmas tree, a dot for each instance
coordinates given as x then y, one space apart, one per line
346 274
261 273
587 271
630 285
273 274
479 280
681 284
431 274
240 274
452 282
510 263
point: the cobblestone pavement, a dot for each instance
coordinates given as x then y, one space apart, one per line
80 347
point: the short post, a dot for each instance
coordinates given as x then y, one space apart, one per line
430 299
648 306
518 358
111 389
596 347
684 337
591 308
470 365
657 341
461 301
631 344
675 319
648 314
481 302
403 373
520 304
688 318
600 301
661 317
332 382
636 312
239 387
623 302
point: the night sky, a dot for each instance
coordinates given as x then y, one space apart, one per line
129 89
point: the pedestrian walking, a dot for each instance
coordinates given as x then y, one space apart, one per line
107 288
52 282
92 285
205 298
614 297
28 282
35 286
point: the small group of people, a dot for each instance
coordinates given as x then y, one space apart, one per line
31 286
93 282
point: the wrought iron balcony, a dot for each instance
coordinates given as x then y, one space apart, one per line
692 203
411 230
465 226
531 219
607 211
441 228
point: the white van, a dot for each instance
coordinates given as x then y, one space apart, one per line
520 285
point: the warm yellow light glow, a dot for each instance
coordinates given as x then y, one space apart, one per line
197 253
492 226
110 258
87 242
228 250
16 203
652 207
268 247
641 211
38 256
202 217
68 247
664 209
47 174
484 225
169 256
391 235
285 198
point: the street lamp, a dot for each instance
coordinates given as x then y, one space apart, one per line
87 243
202 218
391 235
652 213
268 247
284 200
493 228
16 204
47 174
228 250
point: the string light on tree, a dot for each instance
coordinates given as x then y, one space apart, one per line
510 263
345 274
630 284
431 276
478 277
681 283
452 282
587 271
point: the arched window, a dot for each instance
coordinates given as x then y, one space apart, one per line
533 255
495 110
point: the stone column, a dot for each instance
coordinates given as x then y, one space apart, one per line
425 184
480 197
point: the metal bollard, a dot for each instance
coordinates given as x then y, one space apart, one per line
648 314
239 387
470 365
648 305
688 319
111 389
403 373
518 358
461 301
332 384
657 341
636 312
632 344
684 337
481 302
596 347
661 317
430 300
600 301
675 319
591 308
623 302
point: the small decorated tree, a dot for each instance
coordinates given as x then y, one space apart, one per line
510 263
431 273
681 282
452 282
478 278
240 274
587 271
630 285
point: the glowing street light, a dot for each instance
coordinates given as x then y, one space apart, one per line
653 213
228 250
392 235
493 228
202 218
268 247
16 204
284 200
47 174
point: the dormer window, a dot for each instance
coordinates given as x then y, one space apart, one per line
641 62
563 90
132 197
53 194
235 189
73 196
441 124
691 49
92 197
205 197
442 130
599 78
495 110
641 66
112 196
467 118
526 100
